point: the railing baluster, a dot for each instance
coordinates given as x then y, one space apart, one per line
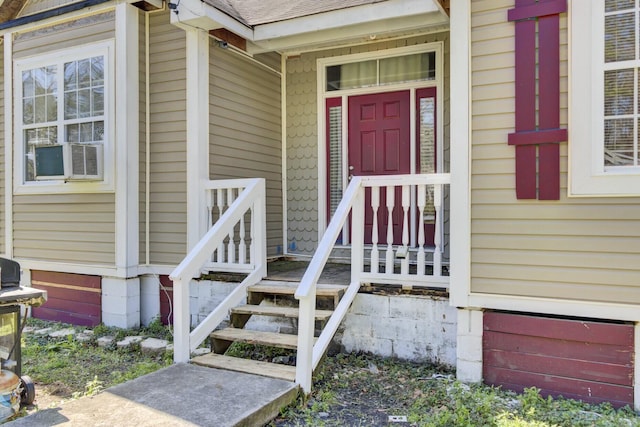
437 237
220 198
375 204
391 191
242 247
406 204
231 246
422 201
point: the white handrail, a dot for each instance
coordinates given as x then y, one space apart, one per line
353 202
252 197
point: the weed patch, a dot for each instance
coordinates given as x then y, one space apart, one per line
363 390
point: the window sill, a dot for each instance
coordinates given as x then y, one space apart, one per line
70 187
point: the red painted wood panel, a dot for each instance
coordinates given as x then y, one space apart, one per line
72 298
545 364
66 317
557 347
71 294
576 358
166 300
525 32
577 330
550 385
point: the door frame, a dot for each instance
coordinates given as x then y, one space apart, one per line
323 95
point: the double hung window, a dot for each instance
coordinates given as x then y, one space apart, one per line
62 115
604 128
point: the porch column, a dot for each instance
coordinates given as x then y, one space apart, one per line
197 131
469 346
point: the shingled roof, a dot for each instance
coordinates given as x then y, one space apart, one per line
256 12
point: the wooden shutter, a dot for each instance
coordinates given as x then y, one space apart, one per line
537 144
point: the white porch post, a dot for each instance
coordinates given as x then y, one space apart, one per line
197 172
197 131
121 292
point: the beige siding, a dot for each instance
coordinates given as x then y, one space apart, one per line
168 213
65 227
68 228
302 135
245 138
3 224
585 249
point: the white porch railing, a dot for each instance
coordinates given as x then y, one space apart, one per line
353 202
234 206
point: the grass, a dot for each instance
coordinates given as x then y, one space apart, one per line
65 368
349 389
363 390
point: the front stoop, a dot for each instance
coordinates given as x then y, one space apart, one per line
177 396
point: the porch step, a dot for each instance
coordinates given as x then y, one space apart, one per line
272 339
256 293
265 369
277 311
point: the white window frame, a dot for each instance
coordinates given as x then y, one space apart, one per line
106 183
587 173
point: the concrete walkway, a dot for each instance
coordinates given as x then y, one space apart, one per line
179 395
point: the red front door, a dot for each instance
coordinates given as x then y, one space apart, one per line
380 144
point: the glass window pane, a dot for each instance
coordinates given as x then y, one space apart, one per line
617 5
84 103
618 92
97 101
620 37
70 76
52 108
28 85
98 131
350 76
52 82
40 109
86 132
84 73
618 142
407 68
27 111
73 133
97 71
40 80
70 105
427 133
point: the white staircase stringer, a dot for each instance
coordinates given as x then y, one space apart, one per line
333 323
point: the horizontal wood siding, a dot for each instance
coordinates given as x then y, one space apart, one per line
577 249
245 138
168 170
302 136
3 207
580 359
77 228
71 298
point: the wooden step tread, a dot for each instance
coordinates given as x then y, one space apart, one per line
289 288
273 339
277 311
265 369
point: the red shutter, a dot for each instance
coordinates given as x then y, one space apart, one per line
537 144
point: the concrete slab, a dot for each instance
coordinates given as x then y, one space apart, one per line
180 395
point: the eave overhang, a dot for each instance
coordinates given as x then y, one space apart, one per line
367 22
